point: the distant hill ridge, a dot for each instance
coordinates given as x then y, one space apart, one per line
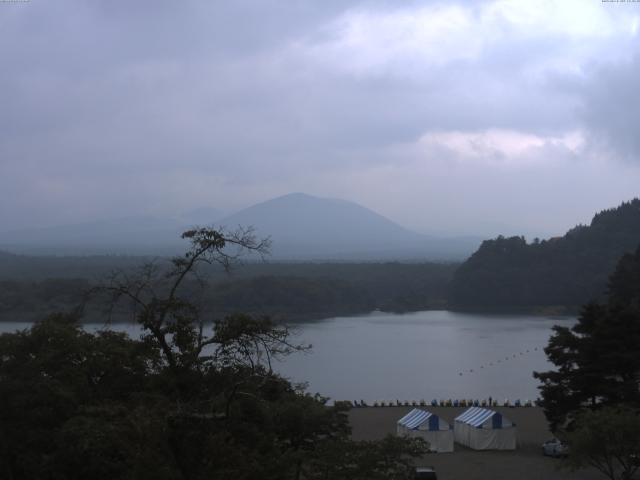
302 227
562 271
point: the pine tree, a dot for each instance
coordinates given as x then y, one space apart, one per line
598 359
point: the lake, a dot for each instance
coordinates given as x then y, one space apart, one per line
413 356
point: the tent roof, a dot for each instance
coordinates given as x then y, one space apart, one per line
415 418
475 416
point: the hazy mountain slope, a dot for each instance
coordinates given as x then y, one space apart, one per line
131 235
200 216
303 226
303 218
570 270
135 234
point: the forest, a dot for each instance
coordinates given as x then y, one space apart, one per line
33 286
565 271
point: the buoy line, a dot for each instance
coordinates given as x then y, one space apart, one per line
501 360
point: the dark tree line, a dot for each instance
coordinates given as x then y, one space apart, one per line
566 271
289 292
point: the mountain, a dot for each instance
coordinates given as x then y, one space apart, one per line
563 271
306 227
302 227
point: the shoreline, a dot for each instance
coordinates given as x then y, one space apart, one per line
28 317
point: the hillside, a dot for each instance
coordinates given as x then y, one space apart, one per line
306 227
566 271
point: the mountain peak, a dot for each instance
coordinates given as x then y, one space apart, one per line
304 226
294 195
301 197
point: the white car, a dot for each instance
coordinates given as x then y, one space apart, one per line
555 448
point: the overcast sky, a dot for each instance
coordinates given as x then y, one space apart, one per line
455 116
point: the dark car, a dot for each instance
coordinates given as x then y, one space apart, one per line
425 473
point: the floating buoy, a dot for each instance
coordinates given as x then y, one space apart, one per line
508 357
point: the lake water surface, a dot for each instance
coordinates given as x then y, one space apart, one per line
424 355
413 356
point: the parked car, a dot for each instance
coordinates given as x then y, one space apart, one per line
425 473
555 448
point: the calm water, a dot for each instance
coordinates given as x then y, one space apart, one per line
423 354
432 354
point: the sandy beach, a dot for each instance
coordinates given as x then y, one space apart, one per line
525 463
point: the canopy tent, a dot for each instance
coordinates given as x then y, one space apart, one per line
423 424
484 429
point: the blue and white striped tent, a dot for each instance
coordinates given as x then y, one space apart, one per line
428 426
484 429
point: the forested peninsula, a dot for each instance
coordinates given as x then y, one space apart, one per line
558 273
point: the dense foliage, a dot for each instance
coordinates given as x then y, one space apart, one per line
598 359
179 403
289 292
43 296
607 439
76 405
566 271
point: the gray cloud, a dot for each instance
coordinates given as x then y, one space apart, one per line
611 108
118 107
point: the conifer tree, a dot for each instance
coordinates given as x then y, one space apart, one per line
598 359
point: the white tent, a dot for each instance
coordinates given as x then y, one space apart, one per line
483 429
430 427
